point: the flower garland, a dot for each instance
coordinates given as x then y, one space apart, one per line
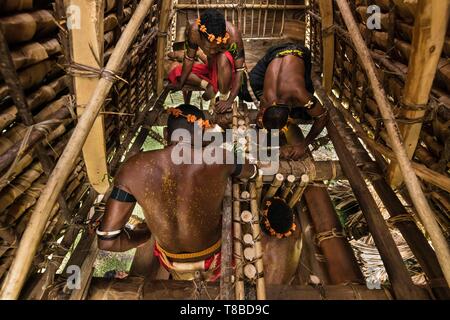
205 124
269 228
212 37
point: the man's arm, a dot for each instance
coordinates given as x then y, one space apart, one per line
112 234
320 116
239 62
299 148
190 52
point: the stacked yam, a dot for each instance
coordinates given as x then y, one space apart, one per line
31 32
391 47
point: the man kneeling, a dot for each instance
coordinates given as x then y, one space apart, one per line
181 202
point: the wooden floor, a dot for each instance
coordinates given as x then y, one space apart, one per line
136 288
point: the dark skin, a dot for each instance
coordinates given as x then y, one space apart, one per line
182 204
210 49
284 83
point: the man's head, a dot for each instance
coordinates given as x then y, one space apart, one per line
214 21
279 217
182 122
275 117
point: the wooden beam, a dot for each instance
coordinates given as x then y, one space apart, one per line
326 12
18 272
133 288
86 45
226 268
164 14
412 183
428 40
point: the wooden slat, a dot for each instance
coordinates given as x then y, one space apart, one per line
326 12
87 48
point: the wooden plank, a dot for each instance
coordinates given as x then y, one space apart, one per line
166 8
86 45
428 41
226 268
326 12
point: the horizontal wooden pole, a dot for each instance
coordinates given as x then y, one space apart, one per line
324 170
193 6
133 288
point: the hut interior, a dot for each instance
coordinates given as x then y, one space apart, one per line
83 86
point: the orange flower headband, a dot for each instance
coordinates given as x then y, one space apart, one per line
269 228
212 37
205 124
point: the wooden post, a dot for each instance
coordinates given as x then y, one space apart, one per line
238 252
317 261
288 186
297 195
429 31
226 268
86 45
326 12
276 184
260 284
30 240
164 14
410 178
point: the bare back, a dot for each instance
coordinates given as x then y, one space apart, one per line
181 203
284 82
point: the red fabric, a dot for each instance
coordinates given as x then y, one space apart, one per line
209 73
213 261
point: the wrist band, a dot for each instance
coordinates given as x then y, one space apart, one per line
108 235
255 172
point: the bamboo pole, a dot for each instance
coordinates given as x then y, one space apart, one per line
233 6
326 12
30 240
276 184
428 40
410 178
288 186
164 14
237 230
297 195
254 207
318 262
226 268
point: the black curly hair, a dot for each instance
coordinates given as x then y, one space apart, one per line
280 216
174 123
214 21
275 117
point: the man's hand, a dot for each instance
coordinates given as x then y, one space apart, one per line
175 87
223 106
294 152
